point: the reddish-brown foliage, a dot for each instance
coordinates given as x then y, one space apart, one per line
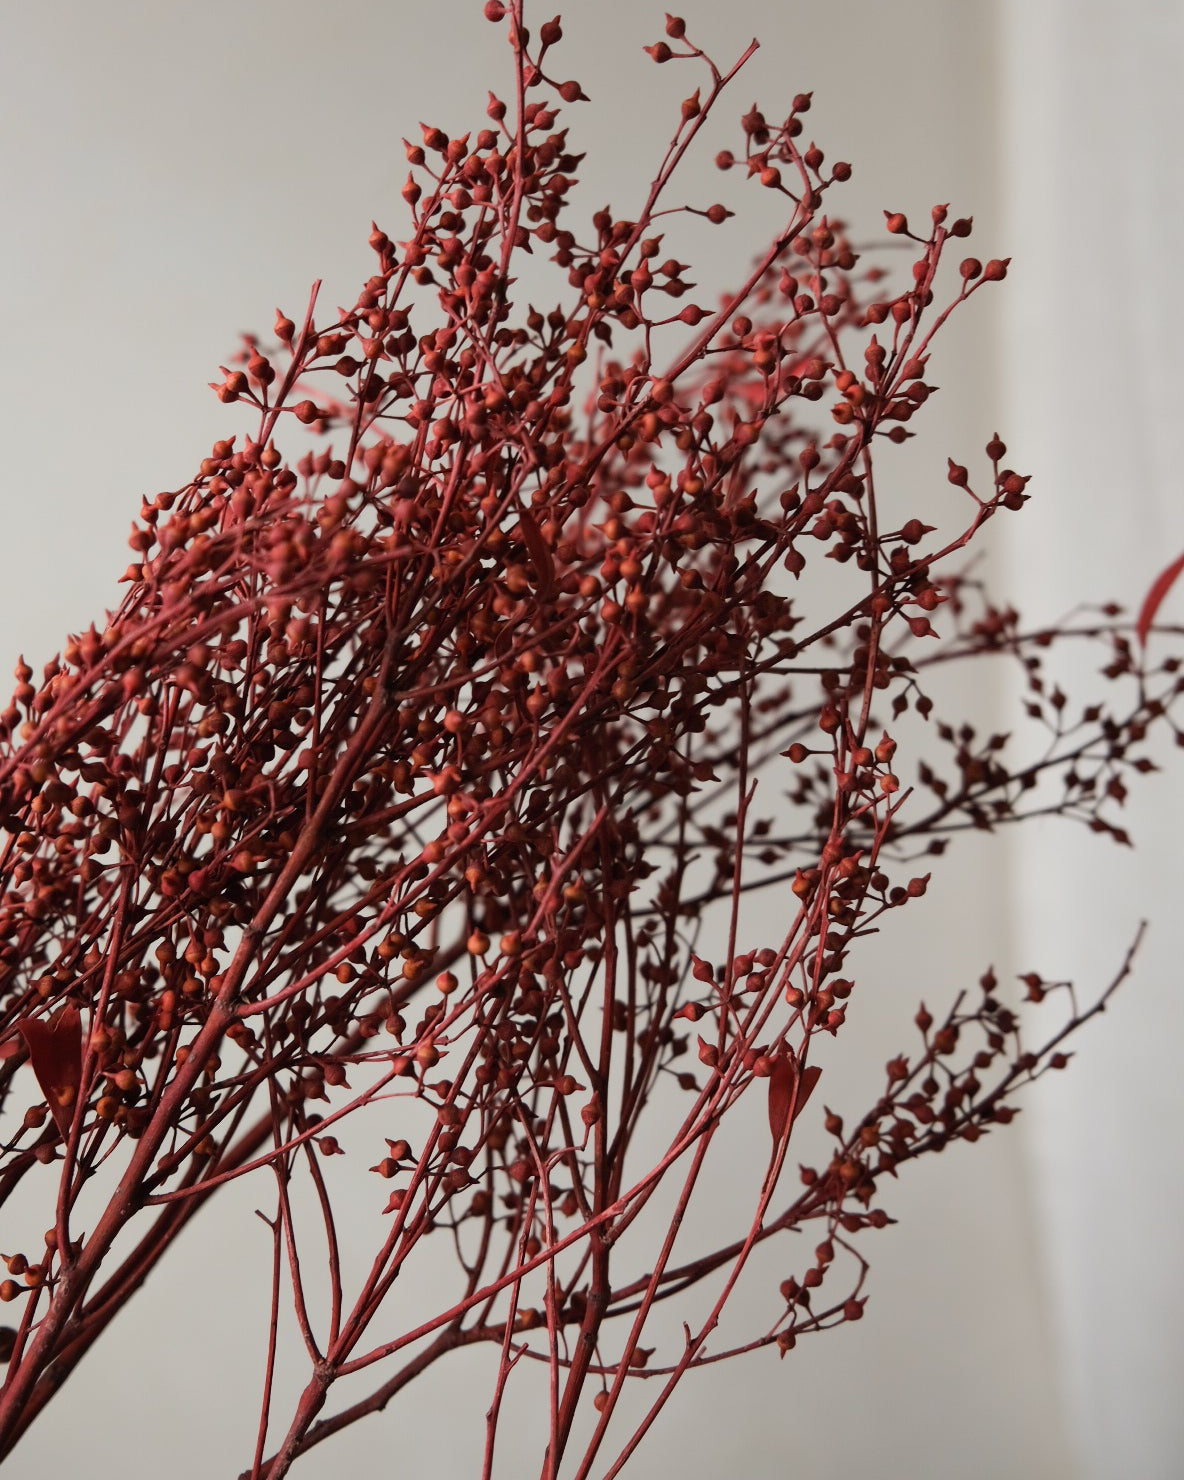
405 775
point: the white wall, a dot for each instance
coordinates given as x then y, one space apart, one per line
1092 376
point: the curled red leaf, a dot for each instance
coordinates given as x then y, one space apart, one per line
540 554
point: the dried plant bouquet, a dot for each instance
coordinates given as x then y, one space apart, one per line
426 799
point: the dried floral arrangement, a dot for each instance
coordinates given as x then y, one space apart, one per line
388 813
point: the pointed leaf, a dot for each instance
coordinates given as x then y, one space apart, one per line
810 1078
1154 598
55 1051
783 1083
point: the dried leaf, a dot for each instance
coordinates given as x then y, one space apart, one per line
810 1078
783 1082
540 555
1154 599
55 1051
